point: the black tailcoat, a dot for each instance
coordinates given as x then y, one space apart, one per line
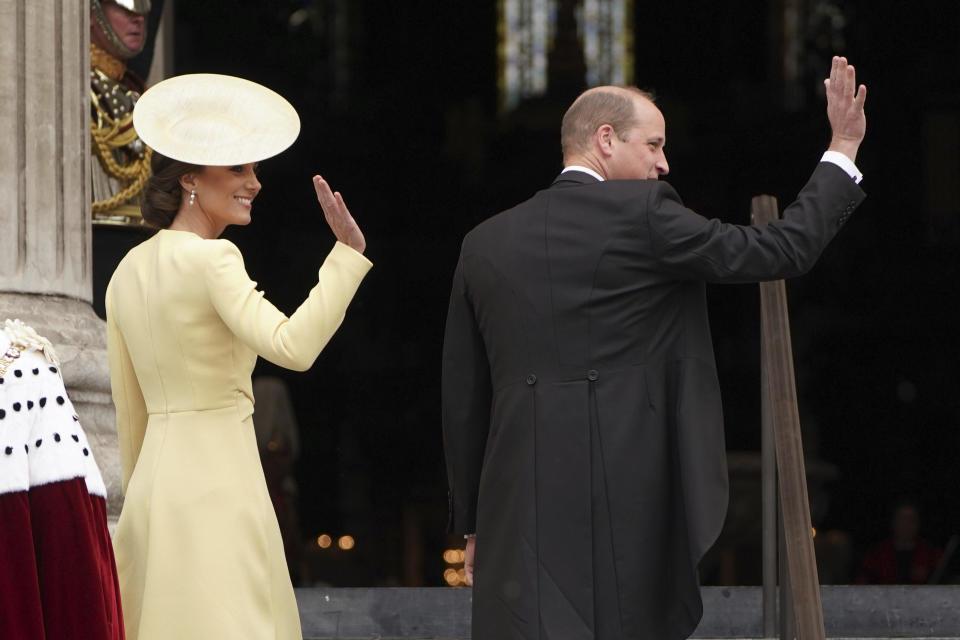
581 409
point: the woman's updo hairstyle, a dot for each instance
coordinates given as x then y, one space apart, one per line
162 194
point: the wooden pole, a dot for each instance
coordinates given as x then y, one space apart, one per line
801 562
788 616
770 510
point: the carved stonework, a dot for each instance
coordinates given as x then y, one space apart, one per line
44 187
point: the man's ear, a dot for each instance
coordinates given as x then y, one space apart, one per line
603 138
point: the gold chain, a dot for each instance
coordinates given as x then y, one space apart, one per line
113 130
119 133
142 168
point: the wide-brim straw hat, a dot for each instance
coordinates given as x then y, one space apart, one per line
217 120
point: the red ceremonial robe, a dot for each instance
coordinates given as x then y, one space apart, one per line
57 571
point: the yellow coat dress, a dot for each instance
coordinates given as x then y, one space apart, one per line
198 549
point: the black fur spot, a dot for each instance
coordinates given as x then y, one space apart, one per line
29 404
43 402
60 400
86 451
36 372
8 450
56 437
75 437
18 373
16 406
38 443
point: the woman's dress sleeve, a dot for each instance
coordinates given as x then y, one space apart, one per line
294 342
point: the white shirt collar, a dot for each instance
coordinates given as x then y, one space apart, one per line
589 172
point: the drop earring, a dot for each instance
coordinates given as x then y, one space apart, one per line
193 197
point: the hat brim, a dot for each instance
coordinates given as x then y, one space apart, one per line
212 119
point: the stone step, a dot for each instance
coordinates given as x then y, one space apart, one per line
729 612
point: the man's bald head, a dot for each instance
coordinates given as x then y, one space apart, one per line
615 106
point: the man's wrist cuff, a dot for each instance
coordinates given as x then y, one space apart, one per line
844 163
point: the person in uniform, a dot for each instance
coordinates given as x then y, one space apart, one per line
121 165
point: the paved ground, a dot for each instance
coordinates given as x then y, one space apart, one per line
735 612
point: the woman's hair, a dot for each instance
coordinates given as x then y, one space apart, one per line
162 194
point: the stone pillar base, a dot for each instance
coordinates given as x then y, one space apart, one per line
80 339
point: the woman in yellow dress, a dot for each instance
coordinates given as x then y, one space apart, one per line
198 549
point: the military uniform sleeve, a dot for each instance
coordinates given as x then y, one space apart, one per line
466 397
691 246
127 397
294 342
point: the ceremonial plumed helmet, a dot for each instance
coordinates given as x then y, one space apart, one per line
140 7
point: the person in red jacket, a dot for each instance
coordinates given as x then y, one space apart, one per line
904 557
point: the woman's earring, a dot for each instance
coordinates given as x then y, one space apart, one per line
193 197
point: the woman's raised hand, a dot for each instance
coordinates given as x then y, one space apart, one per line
338 216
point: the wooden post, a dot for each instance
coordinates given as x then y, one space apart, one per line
788 616
770 509
801 563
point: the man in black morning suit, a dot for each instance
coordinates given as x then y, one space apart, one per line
581 410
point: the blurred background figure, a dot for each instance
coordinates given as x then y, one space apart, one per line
904 557
278 440
834 550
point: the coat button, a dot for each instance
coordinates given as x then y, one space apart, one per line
531 379
593 375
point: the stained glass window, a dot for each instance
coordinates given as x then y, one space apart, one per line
527 32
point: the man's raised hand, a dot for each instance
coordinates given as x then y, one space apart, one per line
845 108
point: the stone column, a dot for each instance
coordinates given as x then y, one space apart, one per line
45 234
